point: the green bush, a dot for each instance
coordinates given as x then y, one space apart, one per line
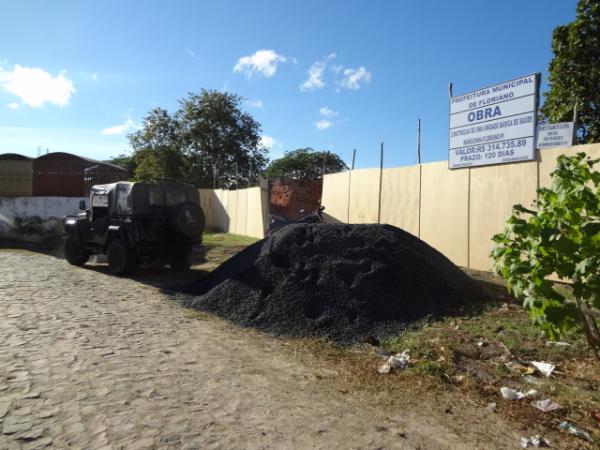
560 235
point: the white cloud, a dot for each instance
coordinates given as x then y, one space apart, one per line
328 112
354 77
263 61
13 105
315 75
337 69
254 103
323 124
268 142
125 127
192 54
35 86
95 77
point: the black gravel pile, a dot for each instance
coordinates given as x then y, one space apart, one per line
340 281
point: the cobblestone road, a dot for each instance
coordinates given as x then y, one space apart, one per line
93 361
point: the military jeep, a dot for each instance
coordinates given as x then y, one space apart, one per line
132 222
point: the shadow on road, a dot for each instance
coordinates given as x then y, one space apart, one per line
152 274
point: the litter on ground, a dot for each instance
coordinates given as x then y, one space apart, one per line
513 394
543 367
519 368
575 430
395 362
546 405
534 441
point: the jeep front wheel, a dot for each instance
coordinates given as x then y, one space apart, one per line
181 261
120 258
75 252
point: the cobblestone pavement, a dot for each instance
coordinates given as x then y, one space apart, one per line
92 361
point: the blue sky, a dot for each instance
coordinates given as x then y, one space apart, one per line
77 76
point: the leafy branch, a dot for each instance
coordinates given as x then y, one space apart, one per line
561 236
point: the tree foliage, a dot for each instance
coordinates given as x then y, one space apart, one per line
560 235
216 133
158 152
305 164
126 162
575 73
208 135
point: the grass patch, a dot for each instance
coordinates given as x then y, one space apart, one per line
214 238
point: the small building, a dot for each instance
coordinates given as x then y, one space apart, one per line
15 175
66 175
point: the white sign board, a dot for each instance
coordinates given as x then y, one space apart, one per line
494 125
555 135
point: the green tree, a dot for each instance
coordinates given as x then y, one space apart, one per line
208 133
216 134
562 236
126 162
575 73
305 164
157 149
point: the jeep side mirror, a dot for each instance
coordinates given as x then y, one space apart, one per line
82 205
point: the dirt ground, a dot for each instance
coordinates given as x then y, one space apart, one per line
93 361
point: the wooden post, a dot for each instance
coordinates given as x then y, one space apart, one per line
350 185
419 141
236 176
575 124
380 184
324 164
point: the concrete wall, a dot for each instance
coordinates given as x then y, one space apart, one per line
243 211
30 218
16 178
457 211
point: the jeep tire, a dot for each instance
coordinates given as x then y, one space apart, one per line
75 253
121 258
188 220
181 261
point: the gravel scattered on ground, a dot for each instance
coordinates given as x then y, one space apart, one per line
343 282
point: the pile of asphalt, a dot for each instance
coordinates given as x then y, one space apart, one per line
343 282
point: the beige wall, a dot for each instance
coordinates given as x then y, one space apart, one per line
240 212
457 211
16 178
494 191
364 196
400 191
444 210
335 197
547 159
